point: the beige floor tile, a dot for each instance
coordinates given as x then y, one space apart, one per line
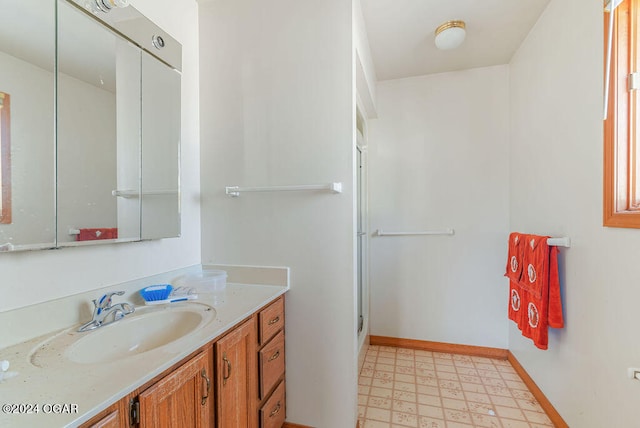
445 368
497 390
403 388
405 419
400 377
405 363
473 387
376 414
383 375
450 403
515 384
431 400
381 392
469 379
477 397
510 423
405 406
503 401
482 408
379 402
428 390
430 411
381 383
376 424
385 367
405 370
485 421
447 375
452 393
536 417
458 425
530 405
486 366
510 413
405 396
390 361
457 416
426 422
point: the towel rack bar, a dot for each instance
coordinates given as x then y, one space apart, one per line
135 194
236 190
74 231
559 242
380 232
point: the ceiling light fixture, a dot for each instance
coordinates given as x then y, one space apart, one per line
450 35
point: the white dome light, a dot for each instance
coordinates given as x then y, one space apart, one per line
450 35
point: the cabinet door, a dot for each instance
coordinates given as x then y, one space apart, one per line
114 416
236 378
183 398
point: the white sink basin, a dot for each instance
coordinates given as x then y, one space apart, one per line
148 328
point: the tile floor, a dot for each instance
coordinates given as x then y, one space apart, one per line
401 388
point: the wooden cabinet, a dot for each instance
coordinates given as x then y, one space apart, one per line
271 363
236 377
236 381
184 398
114 416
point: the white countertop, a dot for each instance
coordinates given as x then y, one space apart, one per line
92 387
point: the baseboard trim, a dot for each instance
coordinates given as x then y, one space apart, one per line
449 348
292 425
546 405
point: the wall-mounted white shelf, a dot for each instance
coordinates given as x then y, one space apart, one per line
380 232
235 191
129 194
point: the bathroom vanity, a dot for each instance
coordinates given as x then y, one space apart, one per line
228 370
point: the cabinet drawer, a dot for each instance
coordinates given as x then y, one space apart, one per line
271 320
272 413
271 364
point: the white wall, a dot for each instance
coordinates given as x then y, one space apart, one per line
86 132
556 176
33 195
33 277
277 108
438 158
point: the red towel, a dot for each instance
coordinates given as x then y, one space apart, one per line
99 233
534 298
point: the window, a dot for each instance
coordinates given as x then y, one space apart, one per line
621 161
5 159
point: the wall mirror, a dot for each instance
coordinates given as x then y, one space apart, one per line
111 133
27 133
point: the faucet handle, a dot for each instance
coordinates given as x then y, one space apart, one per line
105 300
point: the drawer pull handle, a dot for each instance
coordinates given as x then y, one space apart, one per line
272 321
228 375
274 356
203 373
276 410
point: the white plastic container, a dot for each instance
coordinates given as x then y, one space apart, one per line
207 281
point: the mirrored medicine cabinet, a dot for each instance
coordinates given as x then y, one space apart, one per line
89 125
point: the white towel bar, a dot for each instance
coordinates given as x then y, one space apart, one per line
379 232
128 194
235 191
559 242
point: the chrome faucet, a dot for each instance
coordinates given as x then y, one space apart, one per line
103 310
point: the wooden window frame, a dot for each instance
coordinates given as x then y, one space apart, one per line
5 158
